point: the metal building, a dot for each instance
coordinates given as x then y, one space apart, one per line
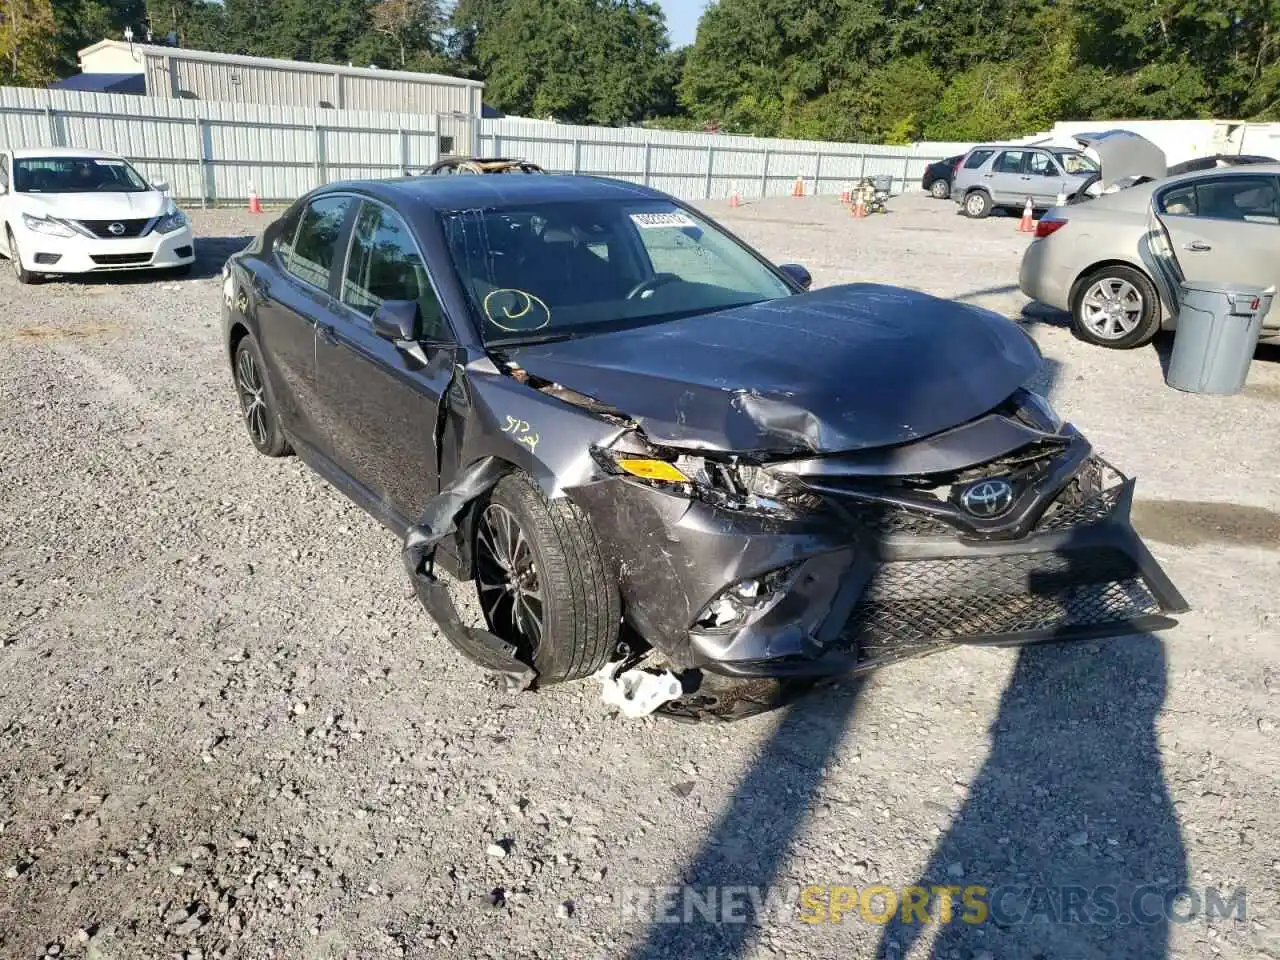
228 78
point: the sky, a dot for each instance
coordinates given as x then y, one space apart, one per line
682 19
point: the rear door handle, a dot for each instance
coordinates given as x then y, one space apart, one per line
327 333
1198 246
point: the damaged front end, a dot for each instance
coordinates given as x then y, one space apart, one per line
1004 530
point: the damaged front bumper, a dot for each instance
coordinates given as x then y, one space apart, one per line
863 580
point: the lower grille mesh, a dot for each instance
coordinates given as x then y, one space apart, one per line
1060 516
913 606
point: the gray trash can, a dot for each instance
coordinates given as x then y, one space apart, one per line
1218 326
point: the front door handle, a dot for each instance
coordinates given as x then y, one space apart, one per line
327 333
1198 246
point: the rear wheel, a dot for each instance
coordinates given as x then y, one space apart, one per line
256 401
543 583
15 260
977 204
940 189
1116 306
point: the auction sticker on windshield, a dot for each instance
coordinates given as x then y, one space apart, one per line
647 221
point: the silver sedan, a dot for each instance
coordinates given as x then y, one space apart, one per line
1115 262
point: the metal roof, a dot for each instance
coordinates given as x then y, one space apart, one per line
103 83
307 66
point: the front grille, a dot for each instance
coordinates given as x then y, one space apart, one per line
120 259
913 606
102 228
888 519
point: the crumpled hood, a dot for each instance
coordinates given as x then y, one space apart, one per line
95 206
843 368
1123 154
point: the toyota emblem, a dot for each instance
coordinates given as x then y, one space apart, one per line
116 229
988 498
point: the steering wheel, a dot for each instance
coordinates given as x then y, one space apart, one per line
651 284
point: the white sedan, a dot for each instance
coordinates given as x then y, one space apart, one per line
83 211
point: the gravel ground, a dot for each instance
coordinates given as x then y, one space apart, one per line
227 729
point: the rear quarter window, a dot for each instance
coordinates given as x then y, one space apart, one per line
317 240
977 158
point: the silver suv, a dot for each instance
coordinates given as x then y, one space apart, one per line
1005 175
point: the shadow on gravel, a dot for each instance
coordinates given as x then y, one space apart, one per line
211 254
750 843
1069 812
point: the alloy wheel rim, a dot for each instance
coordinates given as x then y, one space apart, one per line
1112 308
507 579
252 398
940 189
974 203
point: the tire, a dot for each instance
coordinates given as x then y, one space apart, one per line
22 273
1117 307
182 271
977 205
257 402
581 609
940 189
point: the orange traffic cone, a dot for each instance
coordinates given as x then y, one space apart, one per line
255 204
735 199
859 208
1028 223
797 189
846 195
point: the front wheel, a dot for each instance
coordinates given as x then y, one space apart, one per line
22 274
543 582
1117 307
940 190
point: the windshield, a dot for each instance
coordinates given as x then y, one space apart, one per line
75 175
1075 162
547 271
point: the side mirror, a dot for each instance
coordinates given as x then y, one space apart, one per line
797 273
398 320
161 185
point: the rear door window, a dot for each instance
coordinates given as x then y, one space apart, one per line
311 259
1011 161
977 158
1245 199
384 264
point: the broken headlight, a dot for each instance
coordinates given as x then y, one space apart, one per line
724 483
1036 411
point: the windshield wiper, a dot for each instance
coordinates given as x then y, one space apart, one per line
529 340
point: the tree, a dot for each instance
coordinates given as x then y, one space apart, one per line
581 61
411 25
28 42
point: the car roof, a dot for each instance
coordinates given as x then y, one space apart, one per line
1055 147
468 192
1139 195
1237 170
24 152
